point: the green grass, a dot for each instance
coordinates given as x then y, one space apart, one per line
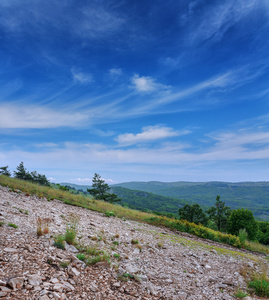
81 256
126 213
260 284
240 294
12 225
59 241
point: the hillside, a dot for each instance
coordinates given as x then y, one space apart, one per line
251 195
141 200
146 262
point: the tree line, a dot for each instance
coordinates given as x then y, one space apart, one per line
22 173
222 218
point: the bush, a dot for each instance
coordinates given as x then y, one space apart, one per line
243 218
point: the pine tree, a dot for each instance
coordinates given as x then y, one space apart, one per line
220 214
100 190
5 171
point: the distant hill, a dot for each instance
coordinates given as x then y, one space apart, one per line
141 200
251 195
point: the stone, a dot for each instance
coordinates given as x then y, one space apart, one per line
10 250
70 248
3 283
116 285
94 288
5 289
58 287
102 264
2 294
44 297
69 287
55 295
34 280
182 295
16 283
131 269
72 271
151 289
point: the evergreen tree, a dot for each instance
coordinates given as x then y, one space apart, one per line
193 213
100 190
219 214
22 173
5 171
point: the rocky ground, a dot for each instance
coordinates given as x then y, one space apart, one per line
162 265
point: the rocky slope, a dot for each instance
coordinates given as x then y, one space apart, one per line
163 265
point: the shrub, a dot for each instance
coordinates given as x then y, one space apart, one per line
109 214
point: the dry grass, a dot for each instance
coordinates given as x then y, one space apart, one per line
42 226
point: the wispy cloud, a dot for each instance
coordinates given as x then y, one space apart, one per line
89 20
115 72
18 116
148 134
81 77
147 84
216 20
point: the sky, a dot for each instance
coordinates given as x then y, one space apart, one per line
135 90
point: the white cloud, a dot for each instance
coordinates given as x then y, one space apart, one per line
23 116
146 84
150 133
83 181
80 77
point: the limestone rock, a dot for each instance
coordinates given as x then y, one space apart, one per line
72 271
34 280
16 283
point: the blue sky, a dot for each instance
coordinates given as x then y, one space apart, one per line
135 90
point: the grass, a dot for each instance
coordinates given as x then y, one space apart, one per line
240 294
12 225
81 256
42 226
59 241
71 229
126 213
259 282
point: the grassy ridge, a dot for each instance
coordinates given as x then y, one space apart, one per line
122 212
